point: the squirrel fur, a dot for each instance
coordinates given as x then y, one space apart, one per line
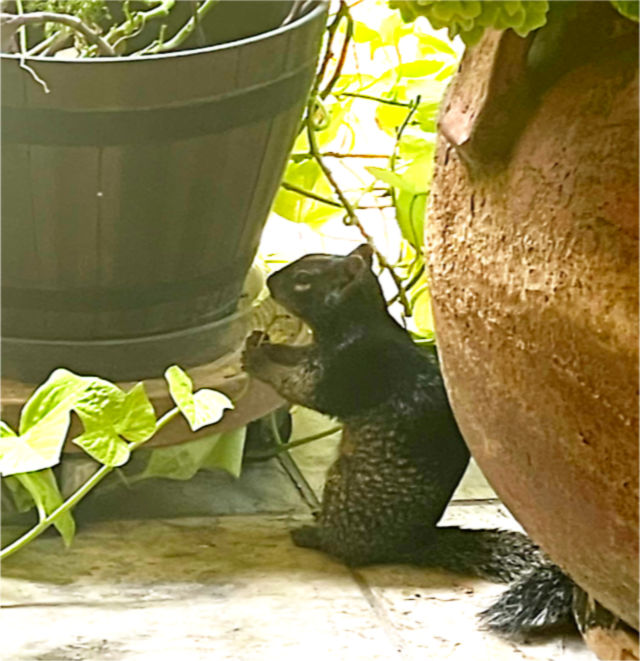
401 454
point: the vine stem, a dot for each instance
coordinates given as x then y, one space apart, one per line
325 200
350 210
137 20
294 444
79 494
39 17
377 99
344 11
22 43
184 31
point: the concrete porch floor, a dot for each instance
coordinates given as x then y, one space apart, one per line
234 586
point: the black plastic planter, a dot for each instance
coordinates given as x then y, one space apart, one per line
134 193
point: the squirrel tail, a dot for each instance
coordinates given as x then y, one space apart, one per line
540 596
501 556
538 602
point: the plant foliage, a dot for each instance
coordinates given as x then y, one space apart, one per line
115 424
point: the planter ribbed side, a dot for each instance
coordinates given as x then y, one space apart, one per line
134 194
534 277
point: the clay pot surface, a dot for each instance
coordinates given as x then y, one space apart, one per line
534 278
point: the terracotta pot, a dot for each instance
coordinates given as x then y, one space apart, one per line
533 258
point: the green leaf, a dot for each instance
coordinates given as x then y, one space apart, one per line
418 173
389 117
227 452
392 29
205 407
410 213
422 314
393 179
105 446
210 406
101 406
60 391
43 488
362 34
180 388
427 114
183 461
628 8
419 68
428 44
298 208
37 448
412 147
22 499
6 431
138 418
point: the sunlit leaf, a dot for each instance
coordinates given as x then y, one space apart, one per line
60 391
410 213
22 499
299 208
419 68
429 43
422 314
205 407
138 419
412 146
227 452
183 461
393 179
105 446
101 405
390 117
43 488
362 34
37 448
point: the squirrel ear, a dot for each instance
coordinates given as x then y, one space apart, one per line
365 251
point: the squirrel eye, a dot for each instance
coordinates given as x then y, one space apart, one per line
302 281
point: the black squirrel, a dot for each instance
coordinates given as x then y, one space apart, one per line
401 453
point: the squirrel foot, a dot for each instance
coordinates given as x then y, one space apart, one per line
307 536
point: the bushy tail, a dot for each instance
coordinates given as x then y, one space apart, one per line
496 555
539 600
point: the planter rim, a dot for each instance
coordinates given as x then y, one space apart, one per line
307 18
254 289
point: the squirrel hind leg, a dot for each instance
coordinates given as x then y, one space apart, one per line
539 602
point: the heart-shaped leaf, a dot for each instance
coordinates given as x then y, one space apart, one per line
60 391
37 448
138 419
205 407
105 446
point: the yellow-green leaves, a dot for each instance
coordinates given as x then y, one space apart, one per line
44 422
628 8
138 419
110 416
469 18
183 461
204 407
43 488
115 423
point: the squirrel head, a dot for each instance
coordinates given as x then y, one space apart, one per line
316 286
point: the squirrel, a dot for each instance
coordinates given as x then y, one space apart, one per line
401 453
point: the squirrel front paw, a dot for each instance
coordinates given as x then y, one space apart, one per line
253 356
